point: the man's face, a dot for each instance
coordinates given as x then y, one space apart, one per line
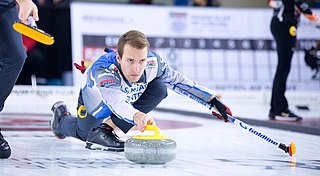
133 62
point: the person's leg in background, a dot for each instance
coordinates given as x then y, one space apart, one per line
285 48
12 57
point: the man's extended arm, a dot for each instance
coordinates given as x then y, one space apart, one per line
191 89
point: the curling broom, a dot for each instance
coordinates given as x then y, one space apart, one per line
33 32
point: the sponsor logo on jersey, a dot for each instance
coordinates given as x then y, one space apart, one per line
107 82
133 89
151 63
134 92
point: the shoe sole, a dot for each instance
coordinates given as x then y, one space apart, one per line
93 146
285 119
5 154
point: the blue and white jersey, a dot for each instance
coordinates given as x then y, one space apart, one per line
107 91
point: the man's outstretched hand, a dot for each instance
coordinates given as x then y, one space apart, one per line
142 120
222 109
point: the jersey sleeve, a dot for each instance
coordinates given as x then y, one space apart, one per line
183 85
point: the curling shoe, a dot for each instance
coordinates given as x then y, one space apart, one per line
285 116
5 150
103 137
59 110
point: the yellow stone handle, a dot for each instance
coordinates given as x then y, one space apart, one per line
155 136
155 129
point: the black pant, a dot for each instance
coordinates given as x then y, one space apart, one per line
149 100
285 47
12 54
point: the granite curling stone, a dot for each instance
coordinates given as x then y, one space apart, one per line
156 149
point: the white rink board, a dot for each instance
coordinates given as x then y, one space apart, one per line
41 98
223 49
30 102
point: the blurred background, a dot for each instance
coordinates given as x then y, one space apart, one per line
52 65
225 45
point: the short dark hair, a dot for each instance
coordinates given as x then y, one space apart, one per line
134 38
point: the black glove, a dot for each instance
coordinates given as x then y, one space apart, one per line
223 109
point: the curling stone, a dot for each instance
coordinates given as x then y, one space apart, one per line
155 149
